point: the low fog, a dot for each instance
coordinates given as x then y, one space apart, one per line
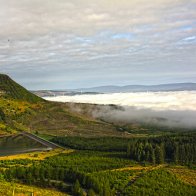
173 109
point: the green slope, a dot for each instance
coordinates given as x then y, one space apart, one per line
21 110
10 89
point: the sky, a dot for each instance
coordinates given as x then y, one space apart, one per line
61 44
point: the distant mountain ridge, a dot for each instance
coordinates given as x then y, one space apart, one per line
53 93
118 89
140 88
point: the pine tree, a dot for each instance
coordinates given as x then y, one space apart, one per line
106 189
159 155
176 153
91 193
128 150
29 178
76 191
153 158
61 174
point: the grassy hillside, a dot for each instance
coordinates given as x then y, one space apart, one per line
10 89
49 118
22 110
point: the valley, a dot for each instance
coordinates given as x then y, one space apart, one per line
52 148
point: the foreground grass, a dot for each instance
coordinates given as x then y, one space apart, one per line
24 190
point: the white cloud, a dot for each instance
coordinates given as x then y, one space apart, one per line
182 100
175 109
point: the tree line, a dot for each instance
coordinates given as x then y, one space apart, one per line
177 149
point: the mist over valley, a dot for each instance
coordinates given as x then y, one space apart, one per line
173 109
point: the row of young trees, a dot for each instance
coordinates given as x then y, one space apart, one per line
66 180
97 144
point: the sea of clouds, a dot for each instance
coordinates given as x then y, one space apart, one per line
174 109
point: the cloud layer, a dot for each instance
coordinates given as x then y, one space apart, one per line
182 100
79 43
174 109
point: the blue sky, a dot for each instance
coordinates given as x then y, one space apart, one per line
58 44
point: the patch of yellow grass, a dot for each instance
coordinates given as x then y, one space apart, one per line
37 155
185 174
6 189
139 167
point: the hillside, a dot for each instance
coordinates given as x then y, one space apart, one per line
11 89
21 110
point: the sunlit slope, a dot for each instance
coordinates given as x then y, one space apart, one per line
57 119
21 110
